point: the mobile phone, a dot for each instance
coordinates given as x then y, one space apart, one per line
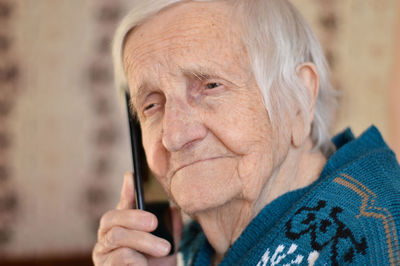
140 170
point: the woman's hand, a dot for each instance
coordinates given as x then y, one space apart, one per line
124 236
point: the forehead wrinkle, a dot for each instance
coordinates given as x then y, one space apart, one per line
143 56
150 71
192 26
179 29
144 47
177 26
147 57
151 47
184 20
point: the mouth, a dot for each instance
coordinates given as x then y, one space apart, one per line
194 162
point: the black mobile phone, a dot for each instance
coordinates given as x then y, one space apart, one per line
140 170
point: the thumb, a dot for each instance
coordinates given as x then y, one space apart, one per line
177 226
127 193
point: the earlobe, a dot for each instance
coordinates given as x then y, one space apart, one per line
308 75
298 130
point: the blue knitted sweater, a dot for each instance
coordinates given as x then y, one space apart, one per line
349 216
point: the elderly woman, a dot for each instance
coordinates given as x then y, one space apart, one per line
235 104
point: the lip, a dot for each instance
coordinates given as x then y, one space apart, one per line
197 161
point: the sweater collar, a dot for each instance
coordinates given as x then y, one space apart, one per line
350 149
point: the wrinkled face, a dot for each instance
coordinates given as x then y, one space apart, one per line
205 129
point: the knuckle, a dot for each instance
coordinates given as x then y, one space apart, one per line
104 221
113 236
96 251
130 257
107 218
98 257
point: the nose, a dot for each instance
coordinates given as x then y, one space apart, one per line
181 127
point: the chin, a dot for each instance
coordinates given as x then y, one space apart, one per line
195 197
205 185
192 204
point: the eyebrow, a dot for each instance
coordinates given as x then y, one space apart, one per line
200 72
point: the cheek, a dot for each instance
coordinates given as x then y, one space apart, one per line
254 170
241 125
244 128
157 157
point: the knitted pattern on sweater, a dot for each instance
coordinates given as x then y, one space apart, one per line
349 216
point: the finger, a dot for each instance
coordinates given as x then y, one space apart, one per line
125 256
130 219
127 200
170 260
140 241
177 226
98 257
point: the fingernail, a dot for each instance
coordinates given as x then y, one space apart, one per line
151 221
148 220
163 246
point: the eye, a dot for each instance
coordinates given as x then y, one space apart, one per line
152 104
148 107
213 85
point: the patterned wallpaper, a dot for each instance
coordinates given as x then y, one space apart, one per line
359 38
62 163
10 83
63 134
105 131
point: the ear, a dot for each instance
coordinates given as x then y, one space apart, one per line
308 75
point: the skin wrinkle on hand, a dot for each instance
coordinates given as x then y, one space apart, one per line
235 161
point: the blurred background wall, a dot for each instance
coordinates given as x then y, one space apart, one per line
63 135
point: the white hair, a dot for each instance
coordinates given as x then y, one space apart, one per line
278 40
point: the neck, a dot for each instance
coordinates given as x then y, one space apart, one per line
223 225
